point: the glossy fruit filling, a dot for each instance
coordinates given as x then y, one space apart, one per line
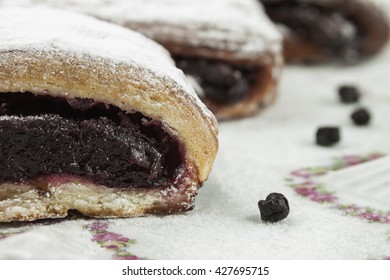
221 82
42 136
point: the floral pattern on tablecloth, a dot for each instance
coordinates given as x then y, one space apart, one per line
317 192
112 241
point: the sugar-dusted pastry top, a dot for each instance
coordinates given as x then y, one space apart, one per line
53 30
49 51
238 27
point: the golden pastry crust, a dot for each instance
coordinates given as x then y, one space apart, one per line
53 65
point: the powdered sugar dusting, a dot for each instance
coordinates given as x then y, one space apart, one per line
52 31
239 26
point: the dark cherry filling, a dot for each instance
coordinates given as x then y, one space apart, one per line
320 25
221 82
42 136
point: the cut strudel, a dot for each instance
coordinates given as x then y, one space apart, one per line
95 117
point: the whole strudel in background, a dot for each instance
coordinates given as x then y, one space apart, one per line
329 30
95 117
229 47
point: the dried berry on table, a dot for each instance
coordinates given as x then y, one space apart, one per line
361 117
274 208
327 136
349 94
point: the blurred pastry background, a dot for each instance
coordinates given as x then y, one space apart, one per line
330 30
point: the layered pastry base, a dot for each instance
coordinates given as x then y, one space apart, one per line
229 48
95 118
326 30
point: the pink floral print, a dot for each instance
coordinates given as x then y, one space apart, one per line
317 192
111 241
